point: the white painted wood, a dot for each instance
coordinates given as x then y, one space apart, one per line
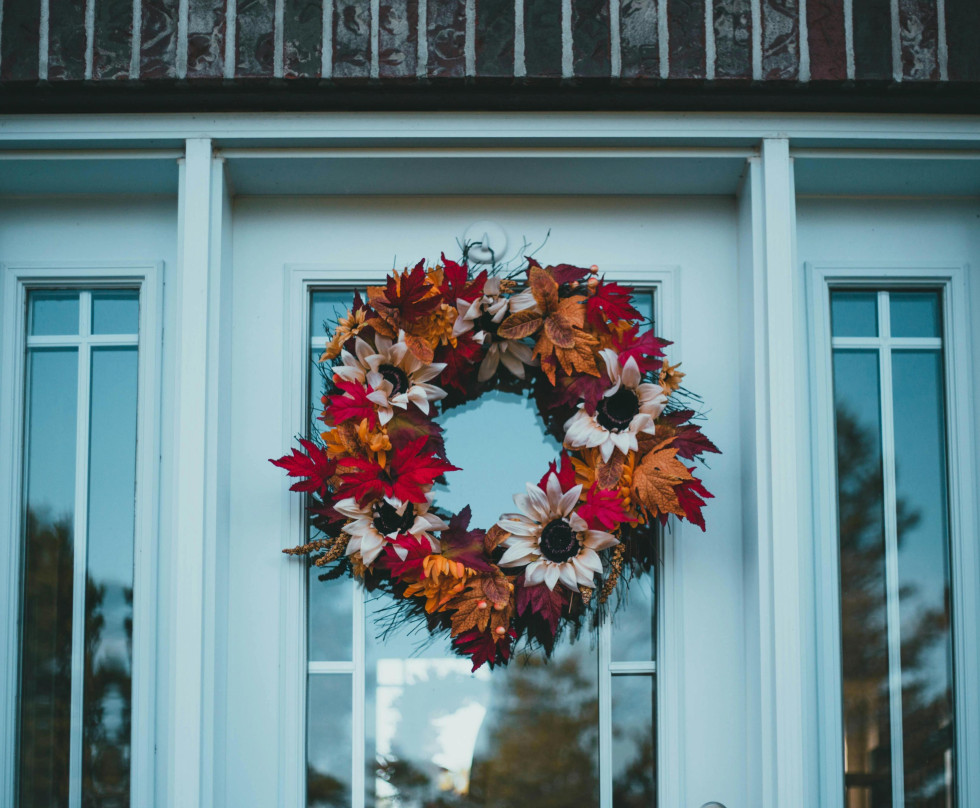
189 430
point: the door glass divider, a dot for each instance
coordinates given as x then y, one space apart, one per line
359 649
80 554
605 713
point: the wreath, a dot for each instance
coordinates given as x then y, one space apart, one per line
434 338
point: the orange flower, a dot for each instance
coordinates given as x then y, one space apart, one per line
358 441
442 580
670 377
349 326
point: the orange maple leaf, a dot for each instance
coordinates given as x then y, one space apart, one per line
656 478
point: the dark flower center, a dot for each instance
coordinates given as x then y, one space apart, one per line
395 377
485 323
616 412
558 542
387 519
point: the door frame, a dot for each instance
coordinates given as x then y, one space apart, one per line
776 155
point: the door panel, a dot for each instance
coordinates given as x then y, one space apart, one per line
696 236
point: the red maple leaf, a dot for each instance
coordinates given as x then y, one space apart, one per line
410 568
645 348
465 546
569 390
689 440
408 475
610 302
567 273
602 509
565 472
460 361
352 404
312 466
455 283
409 295
691 494
483 648
538 599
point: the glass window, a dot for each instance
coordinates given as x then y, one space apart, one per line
894 560
433 732
77 596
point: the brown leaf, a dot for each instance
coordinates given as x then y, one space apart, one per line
497 588
581 358
520 324
421 349
608 474
573 309
559 330
494 536
486 601
545 289
655 479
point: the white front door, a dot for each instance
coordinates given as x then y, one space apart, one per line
658 706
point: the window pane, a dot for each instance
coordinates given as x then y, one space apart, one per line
634 623
854 314
109 579
53 313
437 734
45 690
864 631
643 303
923 569
634 742
326 307
330 621
914 314
115 312
328 741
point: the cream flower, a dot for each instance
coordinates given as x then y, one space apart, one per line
489 308
396 376
378 523
510 353
626 409
550 540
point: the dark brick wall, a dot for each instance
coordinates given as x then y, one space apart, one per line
397 48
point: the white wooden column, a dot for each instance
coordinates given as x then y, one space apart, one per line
196 441
776 472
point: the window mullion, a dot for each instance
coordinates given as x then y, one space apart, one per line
891 556
605 712
357 717
80 554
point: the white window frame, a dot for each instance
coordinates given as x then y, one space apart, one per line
16 281
300 281
952 281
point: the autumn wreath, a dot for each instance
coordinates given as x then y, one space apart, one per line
435 338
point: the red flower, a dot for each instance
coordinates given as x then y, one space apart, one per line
350 405
602 509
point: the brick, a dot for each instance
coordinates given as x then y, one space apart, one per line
158 39
255 38
825 36
780 39
919 27
542 37
733 39
351 39
495 38
398 34
639 43
66 40
112 49
685 27
19 41
446 38
302 38
591 47
206 32
962 35
872 39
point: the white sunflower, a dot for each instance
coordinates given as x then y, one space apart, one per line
625 409
396 376
550 540
377 523
486 311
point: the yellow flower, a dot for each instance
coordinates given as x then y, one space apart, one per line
349 326
670 377
354 441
